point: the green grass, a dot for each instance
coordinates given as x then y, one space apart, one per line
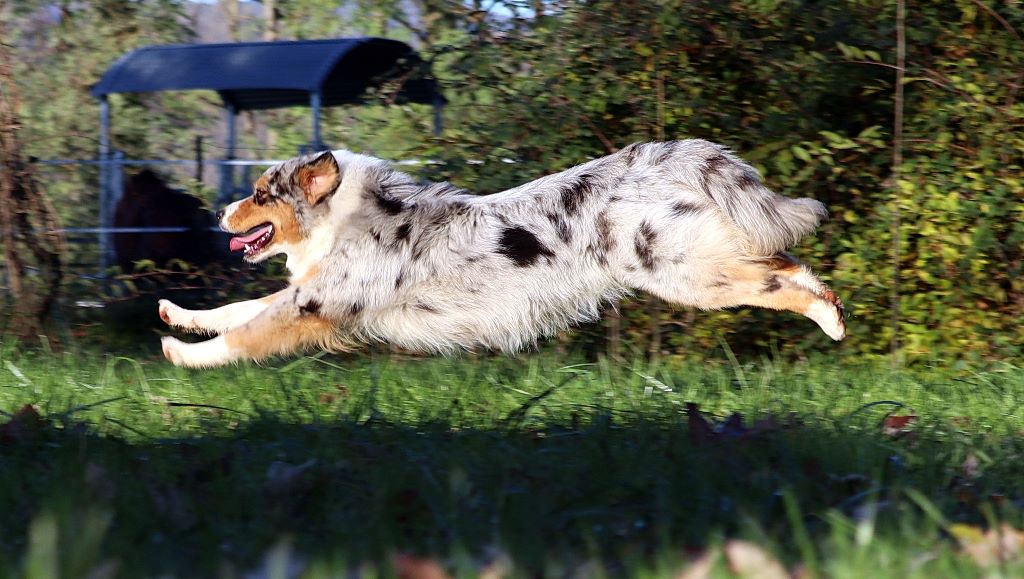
141 469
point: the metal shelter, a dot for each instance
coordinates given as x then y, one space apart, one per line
263 75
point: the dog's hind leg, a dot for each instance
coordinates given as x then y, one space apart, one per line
779 282
217 320
280 329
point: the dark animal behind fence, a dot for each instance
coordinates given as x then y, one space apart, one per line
149 202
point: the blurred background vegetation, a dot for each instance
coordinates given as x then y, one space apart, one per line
803 89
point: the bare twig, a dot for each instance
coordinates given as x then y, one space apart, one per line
897 163
936 78
605 141
999 18
519 413
209 406
1015 85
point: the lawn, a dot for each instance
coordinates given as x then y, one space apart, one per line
519 467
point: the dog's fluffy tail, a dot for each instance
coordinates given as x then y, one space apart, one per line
770 221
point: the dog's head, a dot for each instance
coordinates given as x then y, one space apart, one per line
283 207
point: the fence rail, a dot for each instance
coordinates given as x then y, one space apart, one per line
143 162
111 188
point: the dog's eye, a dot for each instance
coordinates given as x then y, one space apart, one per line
261 196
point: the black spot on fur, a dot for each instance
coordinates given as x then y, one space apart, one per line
575 193
441 215
713 167
402 232
375 235
748 180
355 309
683 209
629 153
521 246
442 189
772 284
389 205
312 307
715 163
400 279
643 242
605 242
418 250
425 307
667 150
564 233
561 227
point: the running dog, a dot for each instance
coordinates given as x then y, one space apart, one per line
375 256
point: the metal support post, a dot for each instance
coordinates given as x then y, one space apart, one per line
115 190
106 218
314 105
199 159
227 171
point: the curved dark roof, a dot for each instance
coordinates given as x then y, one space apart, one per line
266 75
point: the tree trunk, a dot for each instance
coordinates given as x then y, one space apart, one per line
269 20
30 228
232 17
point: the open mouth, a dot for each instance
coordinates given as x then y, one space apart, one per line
253 241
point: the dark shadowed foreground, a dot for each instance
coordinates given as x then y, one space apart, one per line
528 465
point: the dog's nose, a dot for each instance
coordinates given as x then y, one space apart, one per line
220 215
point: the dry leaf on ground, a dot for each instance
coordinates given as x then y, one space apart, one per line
412 567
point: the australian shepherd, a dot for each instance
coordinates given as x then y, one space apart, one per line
375 255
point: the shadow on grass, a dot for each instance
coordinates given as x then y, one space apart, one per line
600 486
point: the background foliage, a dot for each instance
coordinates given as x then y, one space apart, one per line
803 89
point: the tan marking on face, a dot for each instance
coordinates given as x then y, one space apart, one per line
249 214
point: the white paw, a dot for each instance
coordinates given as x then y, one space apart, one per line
173 350
179 317
208 354
829 316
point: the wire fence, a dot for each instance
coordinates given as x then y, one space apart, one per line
90 211
91 189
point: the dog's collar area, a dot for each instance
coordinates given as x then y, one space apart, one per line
253 241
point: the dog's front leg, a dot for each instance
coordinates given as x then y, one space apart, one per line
217 320
281 328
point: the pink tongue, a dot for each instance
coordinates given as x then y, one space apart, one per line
238 243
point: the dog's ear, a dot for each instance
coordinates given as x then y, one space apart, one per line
320 177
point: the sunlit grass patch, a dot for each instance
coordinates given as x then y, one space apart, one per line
553 466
